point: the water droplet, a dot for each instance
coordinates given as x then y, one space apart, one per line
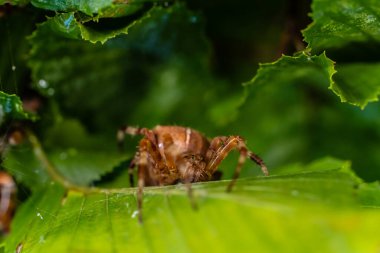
50 91
42 83
13 67
68 21
193 19
39 215
134 214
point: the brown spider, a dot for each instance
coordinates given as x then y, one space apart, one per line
171 154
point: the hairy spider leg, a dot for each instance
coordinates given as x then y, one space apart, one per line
259 162
226 145
133 131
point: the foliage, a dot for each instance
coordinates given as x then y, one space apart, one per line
85 68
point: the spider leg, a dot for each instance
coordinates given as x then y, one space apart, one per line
120 136
131 169
150 164
226 145
259 162
142 170
190 194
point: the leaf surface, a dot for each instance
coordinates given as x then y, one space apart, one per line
338 23
99 8
349 31
258 215
11 108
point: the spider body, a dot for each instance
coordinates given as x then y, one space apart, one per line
171 154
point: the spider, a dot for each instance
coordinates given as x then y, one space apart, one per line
169 155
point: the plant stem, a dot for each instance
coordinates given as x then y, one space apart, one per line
51 170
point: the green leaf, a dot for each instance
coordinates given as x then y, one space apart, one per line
357 83
257 216
296 119
137 70
11 108
66 25
349 31
81 160
369 194
14 2
100 8
290 69
339 23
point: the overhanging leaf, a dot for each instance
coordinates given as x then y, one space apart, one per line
354 26
151 60
11 108
14 2
66 25
258 215
102 8
289 69
357 83
338 23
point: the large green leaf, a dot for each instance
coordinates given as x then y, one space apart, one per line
139 72
357 83
257 216
297 119
102 8
339 23
289 68
349 31
66 25
14 2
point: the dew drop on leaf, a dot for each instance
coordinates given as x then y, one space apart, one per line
134 214
42 83
39 215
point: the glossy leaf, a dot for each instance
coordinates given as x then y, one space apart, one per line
290 116
349 31
66 25
11 108
257 215
338 23
14 2
102 8
357 83
289 69
139 72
